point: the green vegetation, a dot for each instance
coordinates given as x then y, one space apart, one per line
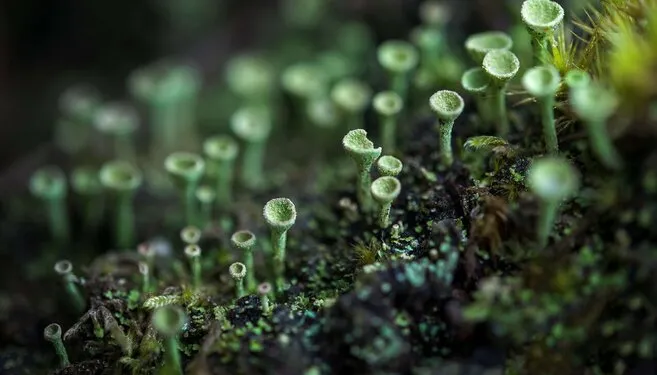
388 105
389 166
384 190
169 322
245 240
53 333
541 17
49 185
122 180
448 106
542 82
501 66
362 151
280 215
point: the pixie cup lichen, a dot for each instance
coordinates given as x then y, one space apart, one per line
122 180
119 121
363 152
186 170
352 97
86 184
49 185
501 66
245 240
168 321
388 105
398 58
551 179
64 269
476 82
541 17
252 125
542 82
238 272
77 105
193 254
206 196
478 45
190 235
263 290
252 78
280 214
389 166
447 106
221 152
576 79
385 190
53 334
595 104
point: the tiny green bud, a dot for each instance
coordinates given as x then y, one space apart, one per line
576 78
144 271
53 334
252 125
280 214
49 184
501 66
245 240
398 58
542 82
352 97
64 268
385 190
193 254
595 105
122 179
119 121
388 105
448 106
552 179
362 151
221 151
389 166
541 17
478 45
237 272
475 81
186 170
169 321
264 289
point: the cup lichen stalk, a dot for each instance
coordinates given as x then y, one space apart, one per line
53 334
221 152
144 271
193 254
576 79
448 106
363 153
169 321
77 104
245 240
119 121
388 105
238 271
122 179
206 197
352 97
501 66
263 290
304 82
280 214
398 58
477 83
186 170
542 82
389 166
541 17
49 184
86 184
385 190
64 269
252 125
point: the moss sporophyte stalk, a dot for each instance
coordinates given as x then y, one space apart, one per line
501 66
252 125
363 153
122 179
352 97
169 321
447 106
388 105
49 185
186 170
542 82
53 334
245 241
385 190
280 215
389 166
541 17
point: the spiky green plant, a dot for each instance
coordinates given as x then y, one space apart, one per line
542 82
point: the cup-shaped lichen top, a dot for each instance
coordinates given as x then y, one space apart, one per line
52 332
251 124
448 105
85 180
169 320
541 16
237 271
385 189
221 148
323 112
264 288
63 267
192 251
360 148
116 118
304 80
164 81
243 239
553 179
185 166
280 214
79 101
351 95
594 103
501 65
398 56
434 13
190 234
475 81
250 76
478 45
120 176
576 79
387 103
541 81
48 183
388 165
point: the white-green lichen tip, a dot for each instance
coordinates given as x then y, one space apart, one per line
251 124
120 175
304 80
63 267
385 189
501 65
185 164
169 320
388 165
448 105
541 81
280 213
475 81
52 332
576 78
79 100
192 251
541 16
351 95
388 103
594 103
243 239
116 118
190 234
553 178
48 182
221 147
237 270
323 112
249 75
478 45
355 142
398 56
